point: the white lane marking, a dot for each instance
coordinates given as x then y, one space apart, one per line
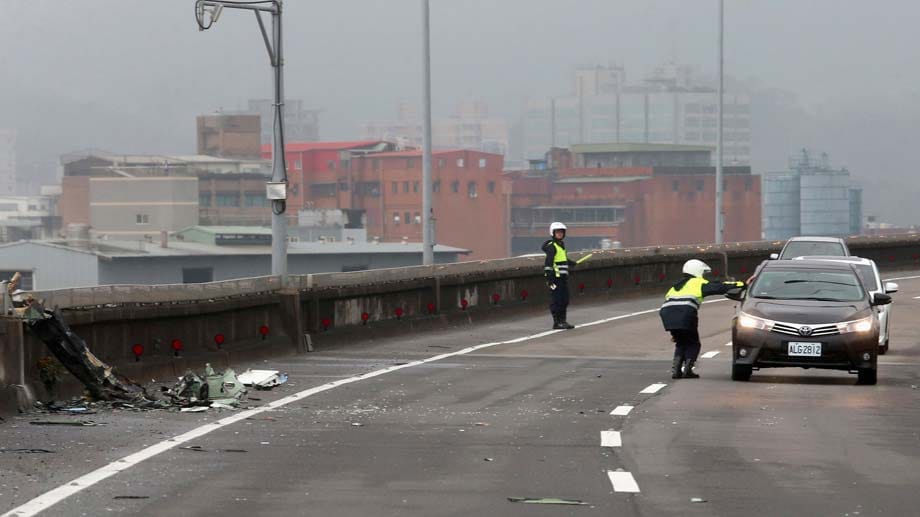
621 410
654 388
56 495
916 297
901 278
611 439
623 482
710 355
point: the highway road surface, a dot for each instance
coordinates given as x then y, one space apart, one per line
456 422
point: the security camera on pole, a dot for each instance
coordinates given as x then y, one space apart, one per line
207 12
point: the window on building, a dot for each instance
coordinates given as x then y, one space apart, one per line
143 219
441 163
331 165
436 186
343 186
418 218
323 189
415 187
491 187
394 187
298 164
471 190
253 200
675 186
482 163
368 188
455 186
699 185
197 275
204 199
748 184
460 162
406 187
406 218
228 199
410 163
375 164
396 217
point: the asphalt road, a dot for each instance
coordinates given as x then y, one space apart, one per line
459 434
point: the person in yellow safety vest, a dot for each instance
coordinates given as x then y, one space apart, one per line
556 270
680 317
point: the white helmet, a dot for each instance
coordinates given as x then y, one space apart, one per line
697 268
556 226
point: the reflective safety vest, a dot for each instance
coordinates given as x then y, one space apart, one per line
560 261
689 295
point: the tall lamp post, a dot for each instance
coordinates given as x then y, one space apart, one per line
427 210
207 12
720 221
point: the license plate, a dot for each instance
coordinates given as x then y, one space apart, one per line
805 349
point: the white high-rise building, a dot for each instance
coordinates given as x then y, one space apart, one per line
7 162
667 108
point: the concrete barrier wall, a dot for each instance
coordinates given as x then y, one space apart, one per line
333 306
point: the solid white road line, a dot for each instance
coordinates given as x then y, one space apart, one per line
623 482
710 355
56 495
621 410
901 278
611 439
654 388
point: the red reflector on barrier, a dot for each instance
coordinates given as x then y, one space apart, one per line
431 308
364 317
464 303
609 283
176 346
399 312
138 350
326 323
524 294
495 298
219 340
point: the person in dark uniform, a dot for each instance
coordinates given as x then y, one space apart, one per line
680 317
556 270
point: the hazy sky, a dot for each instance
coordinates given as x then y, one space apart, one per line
130 76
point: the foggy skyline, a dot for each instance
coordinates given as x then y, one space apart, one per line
132 76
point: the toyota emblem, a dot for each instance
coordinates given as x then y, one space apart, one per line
805 331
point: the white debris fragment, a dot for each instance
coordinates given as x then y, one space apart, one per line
263 379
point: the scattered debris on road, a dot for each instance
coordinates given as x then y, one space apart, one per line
198 448
546 500
698 500
71 423
216 390
25 451
131 497
194 409
263 379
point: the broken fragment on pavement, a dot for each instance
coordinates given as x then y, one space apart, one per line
263 379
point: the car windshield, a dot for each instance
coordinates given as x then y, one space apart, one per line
832 286
813 249
867 276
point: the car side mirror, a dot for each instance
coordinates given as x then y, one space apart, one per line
735 294
891 288
880 299
774 256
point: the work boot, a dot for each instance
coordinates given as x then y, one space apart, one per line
565 324
688 370
557 322
676 367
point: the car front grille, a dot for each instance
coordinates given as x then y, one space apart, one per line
810 330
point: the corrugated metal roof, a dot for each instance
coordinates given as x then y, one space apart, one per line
296 147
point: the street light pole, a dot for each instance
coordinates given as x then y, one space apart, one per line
719 151
427 210
276 189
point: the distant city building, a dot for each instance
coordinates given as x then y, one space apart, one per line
228 191
811 198
140 208
8 174
631 194
300 124
229 136
470 127
28 217
667 108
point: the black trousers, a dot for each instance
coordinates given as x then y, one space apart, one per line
560 297
687 343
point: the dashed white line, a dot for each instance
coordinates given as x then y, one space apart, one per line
623 482
710 355
654 388
621 410
611 439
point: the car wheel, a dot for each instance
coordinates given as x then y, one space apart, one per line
883 349
868 376
742 372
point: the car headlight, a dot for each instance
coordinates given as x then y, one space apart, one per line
863 325
753 322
